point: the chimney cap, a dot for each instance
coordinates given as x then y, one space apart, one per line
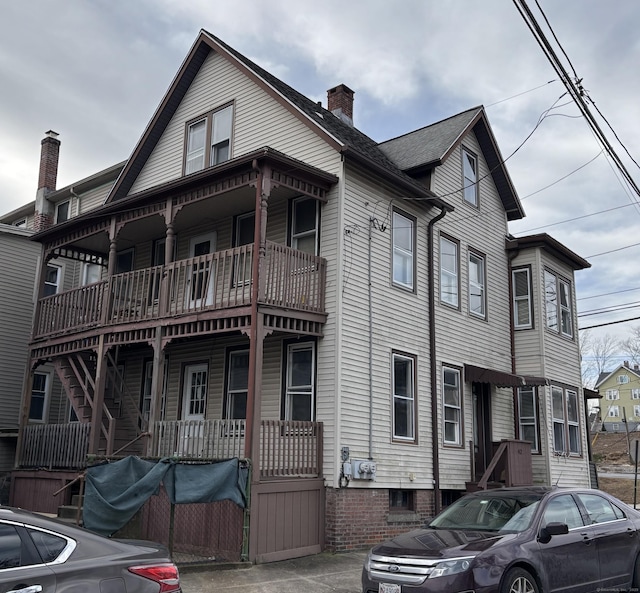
51 134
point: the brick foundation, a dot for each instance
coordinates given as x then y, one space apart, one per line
358 518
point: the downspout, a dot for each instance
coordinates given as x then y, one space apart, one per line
370 302
435 441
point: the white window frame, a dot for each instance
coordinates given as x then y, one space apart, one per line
291 390
403 274
622 379
612 394
614 412
477 284
565 411
60 214
232 390
635 393
48 283
558 299
528 423
449 272
470 177
43 393
452 410
91 273
636 410
522 301
209 140
405 402
299 237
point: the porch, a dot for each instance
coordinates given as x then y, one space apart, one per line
287 448
510 466
208 286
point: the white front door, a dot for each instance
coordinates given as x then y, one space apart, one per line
202 274
194 401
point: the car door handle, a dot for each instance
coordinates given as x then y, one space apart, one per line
586 538
27 589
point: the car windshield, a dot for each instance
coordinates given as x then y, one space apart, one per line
507 513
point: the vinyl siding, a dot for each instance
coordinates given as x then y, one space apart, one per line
259 121
94 198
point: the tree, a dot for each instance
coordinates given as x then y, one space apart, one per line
631 346
597 354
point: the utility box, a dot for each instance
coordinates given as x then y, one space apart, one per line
363 469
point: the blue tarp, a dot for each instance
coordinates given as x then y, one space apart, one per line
114 492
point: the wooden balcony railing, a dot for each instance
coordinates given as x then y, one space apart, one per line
55 446
290 448
291 279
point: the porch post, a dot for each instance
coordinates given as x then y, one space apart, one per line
98 398
27 386
157 386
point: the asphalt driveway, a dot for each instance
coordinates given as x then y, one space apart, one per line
322 573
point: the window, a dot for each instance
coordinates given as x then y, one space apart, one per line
635 394
528 416
21 224
404 402
558 304
299 392
612 394
237 384
522 310
243 235
614 412
91 273
51 280
566 425
305 215
452 406
147 393
50 546
477 294
401 501
403 250
63 211
599 509
622 379
449 289
209 140
39 397
636 411
470 177
124 261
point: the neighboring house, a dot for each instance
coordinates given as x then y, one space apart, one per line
18 266
262 280
620 403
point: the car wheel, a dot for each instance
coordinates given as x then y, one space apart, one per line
636 575
519 580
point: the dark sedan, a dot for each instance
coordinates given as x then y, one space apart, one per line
42 555
515 540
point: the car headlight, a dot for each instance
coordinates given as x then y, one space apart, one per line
449 567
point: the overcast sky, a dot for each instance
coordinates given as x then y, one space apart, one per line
95 71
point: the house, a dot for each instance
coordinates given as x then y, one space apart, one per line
620 404
262 280
18 264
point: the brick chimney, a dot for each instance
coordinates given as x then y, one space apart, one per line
50 149
340 103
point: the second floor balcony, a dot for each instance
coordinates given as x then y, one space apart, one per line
214 284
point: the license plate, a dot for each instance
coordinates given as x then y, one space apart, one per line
389 588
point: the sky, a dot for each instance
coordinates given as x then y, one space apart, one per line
94 71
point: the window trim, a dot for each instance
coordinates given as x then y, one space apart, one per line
57 211
46 283
413 361
208 119
407 255
622 379
292 236
456 244
612 395
531 420
227 397
46 397
558 325
289 346
470 185
566 422
483 286
528 298
459 442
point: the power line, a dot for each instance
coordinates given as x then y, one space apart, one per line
595 296
522 93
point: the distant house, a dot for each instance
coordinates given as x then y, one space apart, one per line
620 403
262 280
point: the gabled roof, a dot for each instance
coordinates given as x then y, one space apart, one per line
549 244
606 375
430 146
344 138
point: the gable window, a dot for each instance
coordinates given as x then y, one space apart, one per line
522 309
21 224
63 211
470 177
449 264
52 279
404 401
403 250
612 394
558 304
622 379
237 385
299 390
528 416
477 293
566 425
305 219
614 411
208 140
452 406
39 396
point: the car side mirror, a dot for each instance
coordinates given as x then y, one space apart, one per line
551 529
